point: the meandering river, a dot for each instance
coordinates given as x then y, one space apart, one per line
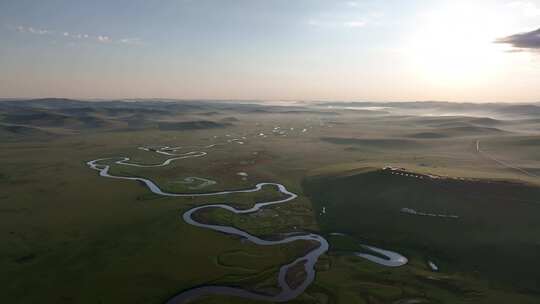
308 260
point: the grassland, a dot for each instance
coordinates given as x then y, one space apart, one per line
70 236
494 236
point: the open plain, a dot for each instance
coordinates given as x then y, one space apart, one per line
419 202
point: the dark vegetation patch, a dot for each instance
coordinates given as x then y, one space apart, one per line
50 119
454 126
44 119
451 286
113 115
336 123
137 121
473 130
300 112
428 135
457 124
25 259
526 110
496 234
530 121
535 141
78 111
209 113
486 121
230 119
372 142
22 131
191 125
441 121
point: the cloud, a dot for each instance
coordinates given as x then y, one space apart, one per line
32 30
349 19
336 24
104 39
132 41
78 36
523 41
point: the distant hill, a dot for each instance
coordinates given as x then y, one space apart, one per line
525 110
10 132
429 135
230 119
191 125
43 118
367 205
387 143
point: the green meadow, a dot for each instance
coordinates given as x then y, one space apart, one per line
71 236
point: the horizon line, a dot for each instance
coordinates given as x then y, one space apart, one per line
94 99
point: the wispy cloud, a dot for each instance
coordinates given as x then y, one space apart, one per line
77 36
132 41
350 18
32 30
104 39
338 24
523 41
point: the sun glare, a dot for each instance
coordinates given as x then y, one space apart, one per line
453 45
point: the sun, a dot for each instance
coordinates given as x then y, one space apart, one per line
453 45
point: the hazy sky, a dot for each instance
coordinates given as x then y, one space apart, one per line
274 49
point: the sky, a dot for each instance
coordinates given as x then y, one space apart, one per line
373 50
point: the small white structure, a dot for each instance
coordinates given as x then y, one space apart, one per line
433 266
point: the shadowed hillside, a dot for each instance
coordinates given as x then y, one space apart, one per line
496 231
